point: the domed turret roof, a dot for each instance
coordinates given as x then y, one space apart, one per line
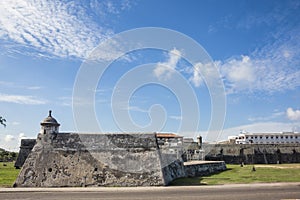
50 120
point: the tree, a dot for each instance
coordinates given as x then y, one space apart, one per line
2 121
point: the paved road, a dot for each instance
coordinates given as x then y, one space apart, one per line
232 192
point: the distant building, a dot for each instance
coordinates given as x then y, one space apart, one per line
266 138
169 140
186 148
170 144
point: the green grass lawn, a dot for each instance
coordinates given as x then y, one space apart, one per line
237 174
233 174
8 174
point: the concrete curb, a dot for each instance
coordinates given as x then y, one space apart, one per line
140 189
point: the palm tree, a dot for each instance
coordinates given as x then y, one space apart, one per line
2 121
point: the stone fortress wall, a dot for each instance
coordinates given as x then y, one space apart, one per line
70 159
253 153
58 159
25 148
73 159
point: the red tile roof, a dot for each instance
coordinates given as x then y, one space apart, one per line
167 135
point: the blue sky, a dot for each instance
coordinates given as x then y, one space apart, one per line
254 45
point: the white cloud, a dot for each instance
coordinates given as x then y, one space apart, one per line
12 142
19 99
165 69
13 123
65 101
260 127
136 109
248 74
9 138
274 115
110 50
22 136
54 28
101 8
16 85
293 114
197 79
207 72
175 117
34 87
273 66
239 71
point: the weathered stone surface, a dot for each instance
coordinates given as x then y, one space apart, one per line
92 160
200 168
71 159
173 170
254 153
25 149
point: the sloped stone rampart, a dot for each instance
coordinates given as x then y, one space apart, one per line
202 168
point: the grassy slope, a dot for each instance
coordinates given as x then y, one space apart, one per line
238 174
8 174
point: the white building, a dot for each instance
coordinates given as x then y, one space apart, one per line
267 138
